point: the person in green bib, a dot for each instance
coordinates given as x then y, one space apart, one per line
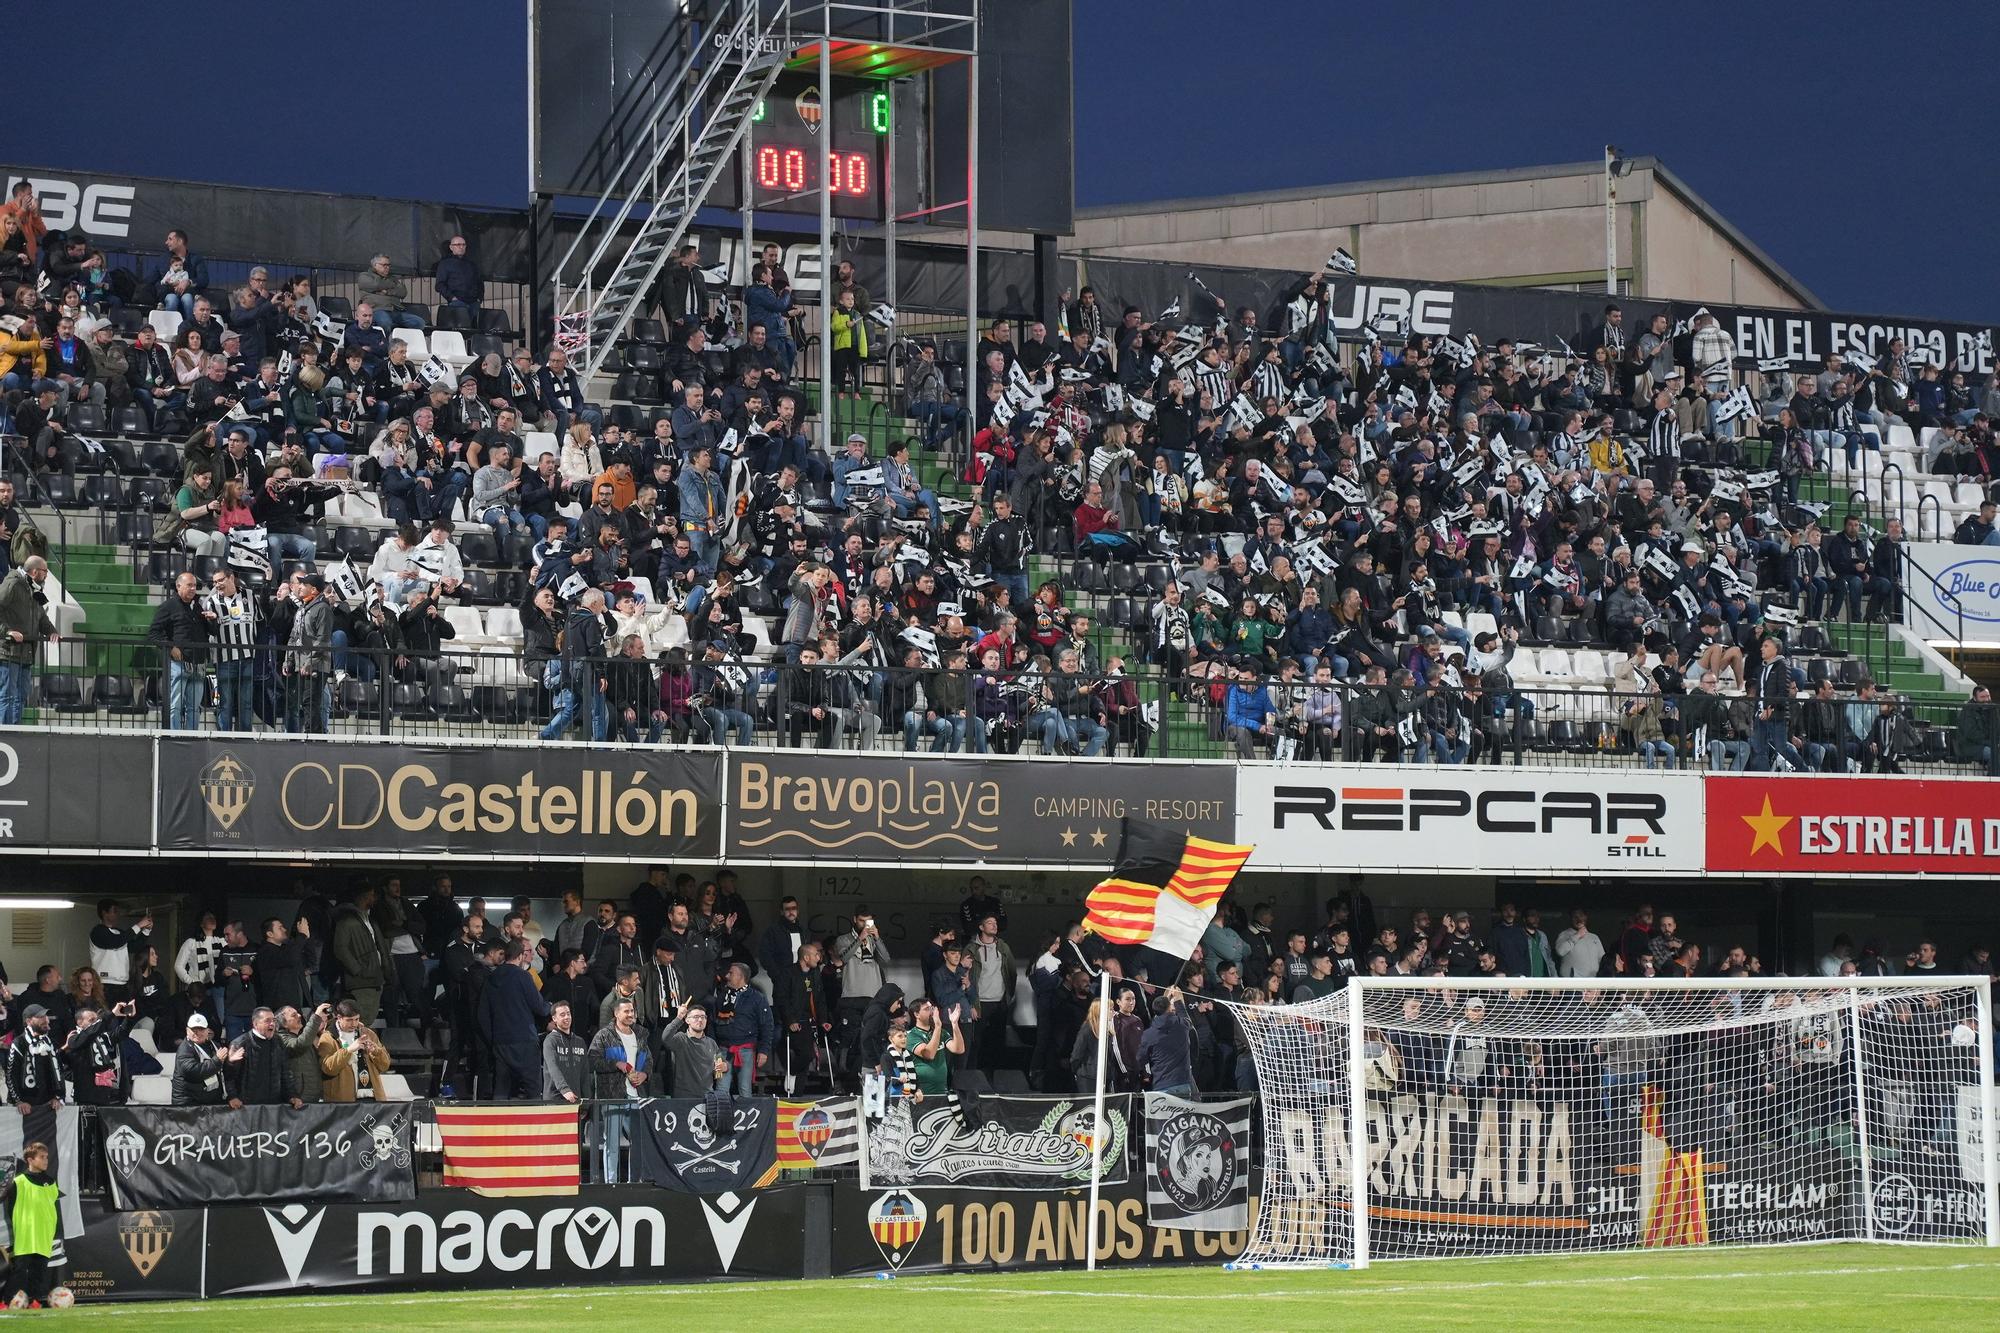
30 1195
933 1051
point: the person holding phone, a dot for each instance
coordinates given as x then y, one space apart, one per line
94 1054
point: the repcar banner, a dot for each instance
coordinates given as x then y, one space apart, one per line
996 1143
454 1241
890 809
1413 818
1853 825
246 795
906 1230
705 1147
185 1156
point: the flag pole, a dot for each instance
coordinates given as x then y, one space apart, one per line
1097 1114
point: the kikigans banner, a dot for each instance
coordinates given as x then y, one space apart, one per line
189 1156
1197 1163
701 1145
995 1143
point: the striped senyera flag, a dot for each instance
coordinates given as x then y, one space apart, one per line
510 1150
1163 891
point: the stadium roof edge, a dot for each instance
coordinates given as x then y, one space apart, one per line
1663 173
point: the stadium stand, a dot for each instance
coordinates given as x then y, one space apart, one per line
1255 537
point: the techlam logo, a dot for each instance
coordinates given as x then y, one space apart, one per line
512 1239
99 210
1631 821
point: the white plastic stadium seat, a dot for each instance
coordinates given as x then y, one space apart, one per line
1526 666
396 1088
414 338
1587 667
166 323
465 622
1480 622
1555 664
539 442
448 346
152 1089
503 623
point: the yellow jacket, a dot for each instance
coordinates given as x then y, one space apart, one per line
849 331
1607 455
15 347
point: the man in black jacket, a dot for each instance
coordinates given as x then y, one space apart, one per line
259 1072
281 968
199 1067
620 948
803 1013
1770 685
683 293
94 1051
1003 548
1848 565
181 629
34 1070
1823 728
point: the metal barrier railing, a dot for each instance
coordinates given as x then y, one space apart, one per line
678 698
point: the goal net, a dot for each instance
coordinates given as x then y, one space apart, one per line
1513 1116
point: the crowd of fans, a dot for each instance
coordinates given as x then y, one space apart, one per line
675 990
1323 547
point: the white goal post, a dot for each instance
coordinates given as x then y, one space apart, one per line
1510 1115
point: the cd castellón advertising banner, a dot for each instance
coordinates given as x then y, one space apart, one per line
245 794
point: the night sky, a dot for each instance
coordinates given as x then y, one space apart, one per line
1855 143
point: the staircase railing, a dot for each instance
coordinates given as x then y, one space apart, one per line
701 118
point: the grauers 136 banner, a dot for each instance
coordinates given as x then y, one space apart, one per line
187 1156
1853 825
1412 818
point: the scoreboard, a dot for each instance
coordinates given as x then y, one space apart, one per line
797 147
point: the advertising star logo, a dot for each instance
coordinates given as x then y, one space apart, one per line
1767 827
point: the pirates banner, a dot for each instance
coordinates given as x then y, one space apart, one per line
1197 1163
159 1157
716 1145
996 1143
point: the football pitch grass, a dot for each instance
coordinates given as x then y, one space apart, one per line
1809 1287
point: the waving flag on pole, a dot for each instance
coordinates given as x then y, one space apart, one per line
1163 891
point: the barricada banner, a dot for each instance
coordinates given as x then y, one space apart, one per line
996 1143
161 1157
1197 1163
705 1146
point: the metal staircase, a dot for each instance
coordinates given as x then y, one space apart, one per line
688 139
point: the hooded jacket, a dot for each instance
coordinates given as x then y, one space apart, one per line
874 1043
